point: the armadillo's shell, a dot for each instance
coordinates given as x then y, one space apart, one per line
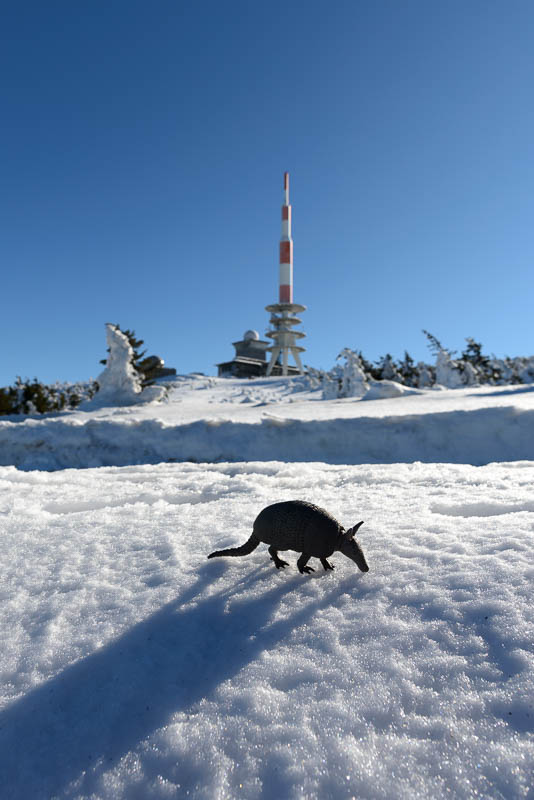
298 525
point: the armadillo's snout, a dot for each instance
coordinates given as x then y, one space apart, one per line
350 548
359 558
361 562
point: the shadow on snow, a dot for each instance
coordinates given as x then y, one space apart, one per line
80 723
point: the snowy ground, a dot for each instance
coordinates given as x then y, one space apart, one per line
132 667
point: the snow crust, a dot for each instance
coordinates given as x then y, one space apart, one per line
133 667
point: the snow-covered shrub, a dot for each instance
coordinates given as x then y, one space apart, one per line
34 397
454 373
473 368
331 383
507 370
525 370
313 379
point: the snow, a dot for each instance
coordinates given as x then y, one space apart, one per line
378 390
133 667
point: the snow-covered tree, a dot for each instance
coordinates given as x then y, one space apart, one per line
370 370
525 370
331 383
485 368
450 372
388 370
426 375
313 379
434 344
358 377
506 369
120 383
353 381
470 375
447 372
407 371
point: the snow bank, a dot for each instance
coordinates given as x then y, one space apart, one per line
134 668
471 437
379 390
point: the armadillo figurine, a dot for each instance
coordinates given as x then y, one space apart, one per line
304 527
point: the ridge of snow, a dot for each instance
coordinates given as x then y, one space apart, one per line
474 437
208 419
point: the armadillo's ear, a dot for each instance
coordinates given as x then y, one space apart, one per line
352 531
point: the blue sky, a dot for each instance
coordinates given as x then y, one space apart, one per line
142 152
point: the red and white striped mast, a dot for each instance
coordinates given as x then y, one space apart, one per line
286 249
283 313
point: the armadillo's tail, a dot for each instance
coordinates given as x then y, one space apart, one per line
244 550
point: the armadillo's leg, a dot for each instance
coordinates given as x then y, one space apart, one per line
273 552
326 564
301 563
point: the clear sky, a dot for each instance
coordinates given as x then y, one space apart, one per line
143 147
